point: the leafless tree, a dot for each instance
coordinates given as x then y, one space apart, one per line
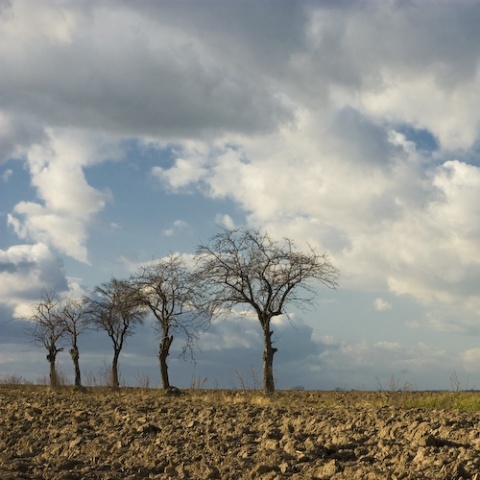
168 290
47 329
115 308
75 322
248 267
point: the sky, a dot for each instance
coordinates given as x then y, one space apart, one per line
131 130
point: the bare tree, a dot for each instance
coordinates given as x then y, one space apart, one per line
167 288
47 329
75 323
116 309
249 267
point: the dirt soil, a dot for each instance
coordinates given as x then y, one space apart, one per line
141 434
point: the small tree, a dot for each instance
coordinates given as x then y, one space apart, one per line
48 329
249 267
75 323
116 309
167 289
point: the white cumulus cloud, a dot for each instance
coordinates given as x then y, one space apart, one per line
67 202
381 305
26 270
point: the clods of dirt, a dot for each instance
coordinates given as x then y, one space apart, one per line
138 434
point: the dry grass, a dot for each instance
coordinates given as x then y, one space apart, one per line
442 400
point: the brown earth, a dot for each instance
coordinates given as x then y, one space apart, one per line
142 434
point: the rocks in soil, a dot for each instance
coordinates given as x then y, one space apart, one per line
138 434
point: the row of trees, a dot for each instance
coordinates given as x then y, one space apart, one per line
235 268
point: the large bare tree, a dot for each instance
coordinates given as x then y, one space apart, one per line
249 267
169 291
47 329
75 323
115 308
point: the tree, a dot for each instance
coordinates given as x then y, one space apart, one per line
167 289
75 322
248 267
48 329
116 309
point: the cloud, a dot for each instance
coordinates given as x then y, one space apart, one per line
225 221
24 271
428 80
309 117
221 337
180 82
376 217
189 167
421 365
126 71
68 201
16 135
178 226
381 305
471 359
231 351
448 266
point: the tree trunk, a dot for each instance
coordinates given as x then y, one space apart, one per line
52 357
268 353
75 354
53 372
115 379
162 356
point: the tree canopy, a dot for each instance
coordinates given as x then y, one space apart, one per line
115 308
169 291
249 267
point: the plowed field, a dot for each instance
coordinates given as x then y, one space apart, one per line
142 434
